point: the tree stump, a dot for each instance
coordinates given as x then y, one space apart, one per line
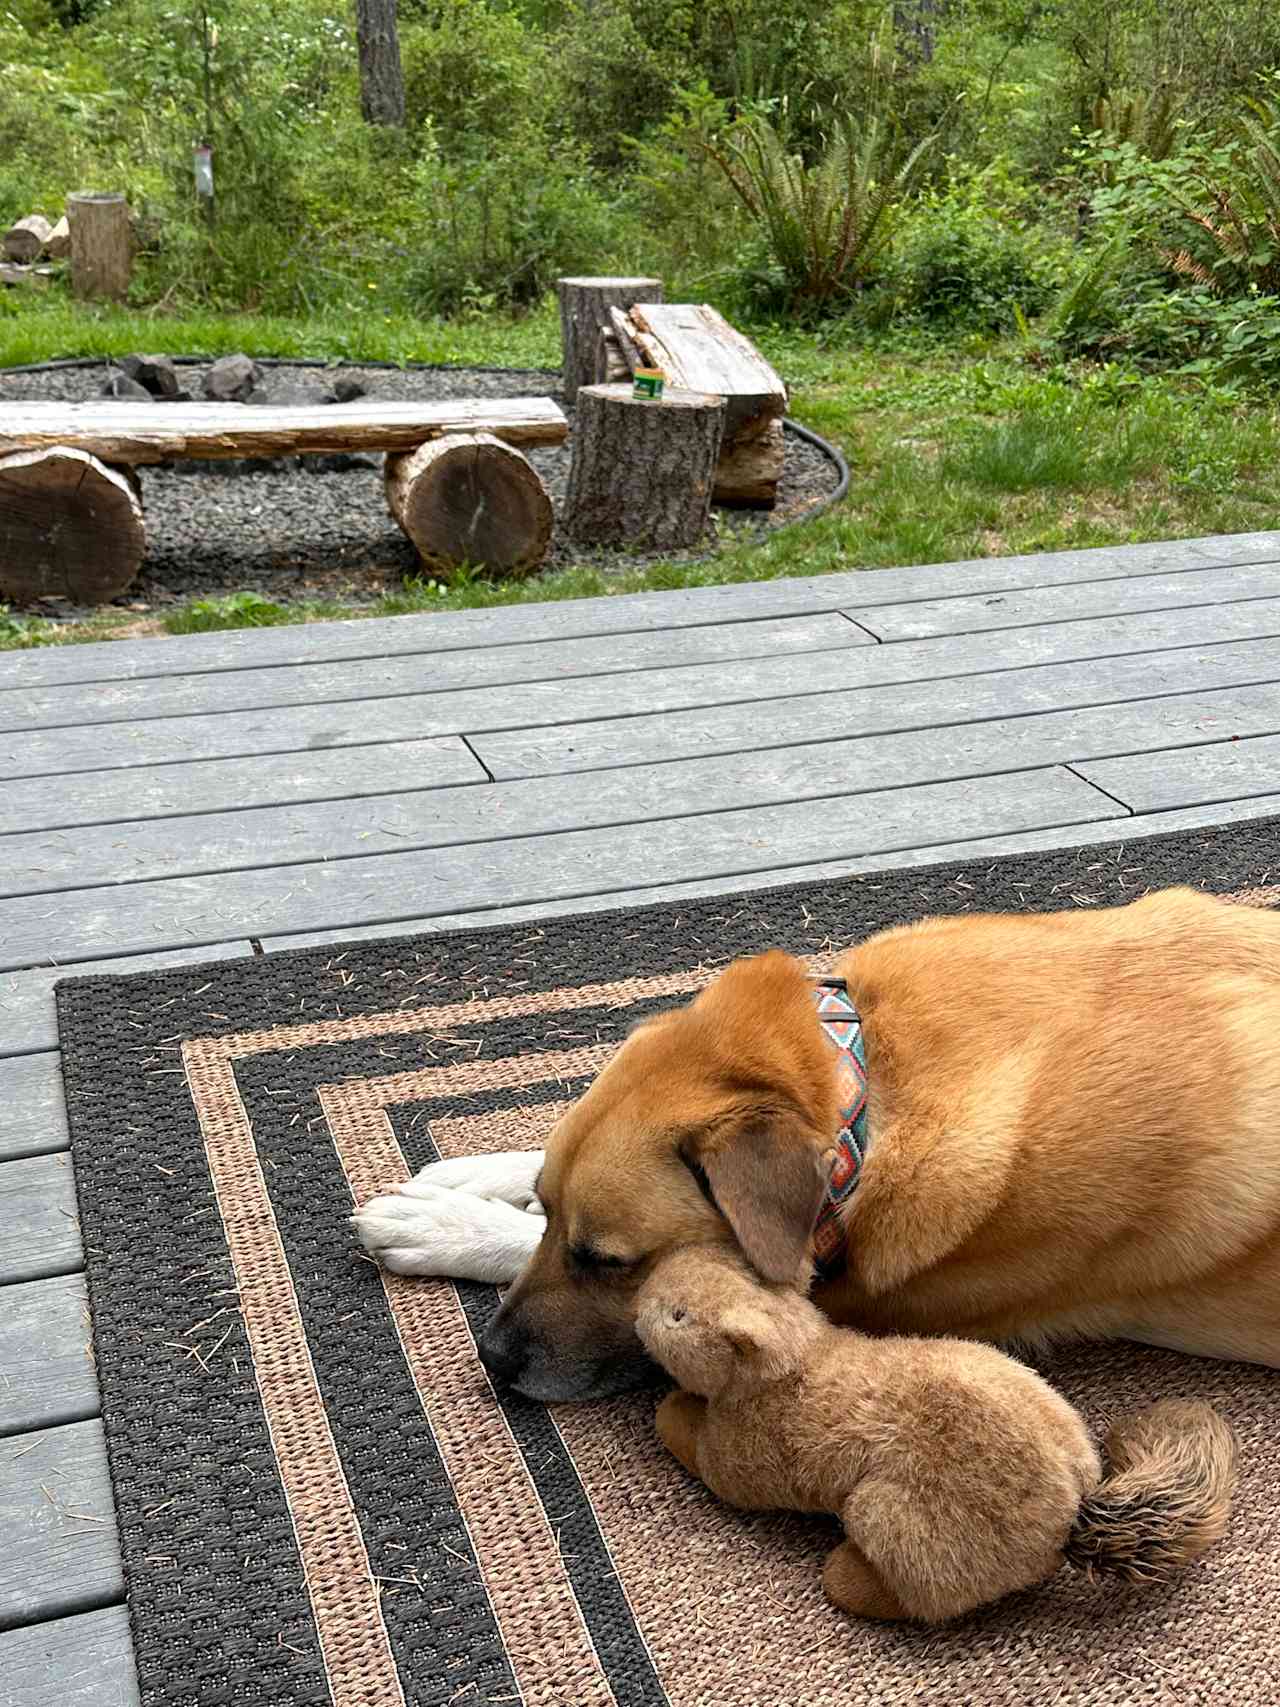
584 309
59 245
642 470
69 525
470 498
101 244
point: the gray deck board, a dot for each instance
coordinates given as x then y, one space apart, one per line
39 1228
389 887
840 763
46 1368
378 678
85 1660
1157 782
237 734
60 1553
846 715
170 800
971 614
631 613
655 684
33 1116
28 1022
1111 836
230 785
162 741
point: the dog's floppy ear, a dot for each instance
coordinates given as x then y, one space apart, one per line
766 1176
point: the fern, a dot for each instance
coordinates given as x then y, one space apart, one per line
1081 304
1241 219
828 221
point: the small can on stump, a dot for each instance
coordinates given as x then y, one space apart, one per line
642 470
70 526
470 498
584 310
101 244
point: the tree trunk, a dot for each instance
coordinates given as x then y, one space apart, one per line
28 239
642 471
101 244
584 309
471 499
69 525
381 76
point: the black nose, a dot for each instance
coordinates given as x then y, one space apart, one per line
502 1358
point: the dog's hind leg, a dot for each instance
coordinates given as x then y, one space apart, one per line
852 1582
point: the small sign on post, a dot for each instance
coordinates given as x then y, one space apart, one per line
202 162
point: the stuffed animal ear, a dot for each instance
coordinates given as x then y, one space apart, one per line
767 1180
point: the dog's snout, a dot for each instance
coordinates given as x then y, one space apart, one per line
677 1313
503 1358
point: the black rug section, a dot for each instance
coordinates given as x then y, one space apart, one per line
218 1605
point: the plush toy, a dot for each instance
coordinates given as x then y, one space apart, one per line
958 1474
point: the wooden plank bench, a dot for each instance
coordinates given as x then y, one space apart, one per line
70 502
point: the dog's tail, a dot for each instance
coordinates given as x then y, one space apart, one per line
1165 1498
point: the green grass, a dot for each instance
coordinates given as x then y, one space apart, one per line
53 326
954 453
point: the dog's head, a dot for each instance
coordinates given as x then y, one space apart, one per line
713 1124
711 1323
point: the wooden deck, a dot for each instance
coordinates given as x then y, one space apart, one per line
197 797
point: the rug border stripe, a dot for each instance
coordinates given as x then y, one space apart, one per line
359 1664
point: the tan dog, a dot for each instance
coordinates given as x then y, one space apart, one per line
959 1475
1074 1128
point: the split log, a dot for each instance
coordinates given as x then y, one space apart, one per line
12 274
28 239
123 432
584 309
749 470
471 499
101 244
698 350
69 525
642 469
611 364
59 245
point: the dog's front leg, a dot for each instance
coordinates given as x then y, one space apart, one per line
504 1176
425 1229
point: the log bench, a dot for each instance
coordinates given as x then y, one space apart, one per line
71 519
698 350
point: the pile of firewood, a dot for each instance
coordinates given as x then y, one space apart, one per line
30 242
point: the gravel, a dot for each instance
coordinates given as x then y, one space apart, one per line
318 527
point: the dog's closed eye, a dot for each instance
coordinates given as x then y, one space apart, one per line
586 1256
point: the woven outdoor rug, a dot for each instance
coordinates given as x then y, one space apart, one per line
320 1497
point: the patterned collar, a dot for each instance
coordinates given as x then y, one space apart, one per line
839 1019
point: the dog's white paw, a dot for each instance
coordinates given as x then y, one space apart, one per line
509 1176
449 1233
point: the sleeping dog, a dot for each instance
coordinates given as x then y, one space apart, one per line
1071 1128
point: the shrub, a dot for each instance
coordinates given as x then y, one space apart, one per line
965 262
496 229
